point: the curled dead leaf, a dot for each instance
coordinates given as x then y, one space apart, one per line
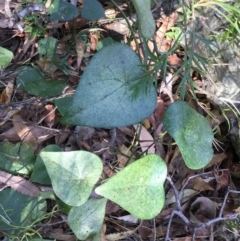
24 132
6 95
202 206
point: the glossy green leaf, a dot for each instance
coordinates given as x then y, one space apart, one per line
62 11
16 159
138 188
17 211
192 132
105 95
6 57
33 81
146 21
92 10
40 174
73 174
86 220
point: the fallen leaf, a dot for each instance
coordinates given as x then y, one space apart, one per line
203 206
24 132
145 229
19 184
93 40
217 158
145 139
200 185
11 135
222 178
111 207
6 95
48 115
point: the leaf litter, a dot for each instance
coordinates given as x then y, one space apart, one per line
35 121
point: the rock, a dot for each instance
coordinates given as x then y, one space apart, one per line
223 74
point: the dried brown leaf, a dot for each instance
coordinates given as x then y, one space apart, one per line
24 132
6 95
146 140
93 40
200 185
19 184
145 229
10 135
111 207
222 179
49 115
201 209
217 158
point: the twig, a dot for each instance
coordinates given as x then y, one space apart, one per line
186 220
154 229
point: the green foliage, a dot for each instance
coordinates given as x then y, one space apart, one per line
46 47
73 174
115 90
138 188
92 10
18 212
62 11
106 91
33 26
86 220
34 82
16 159
192 132
146 22
232 15
40 174
5 57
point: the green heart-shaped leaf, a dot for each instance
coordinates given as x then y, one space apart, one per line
33 81
138 188
86 220
105 95
62 10
73 174
192 132
5 57
92 10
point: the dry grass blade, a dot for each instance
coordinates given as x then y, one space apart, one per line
19 184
